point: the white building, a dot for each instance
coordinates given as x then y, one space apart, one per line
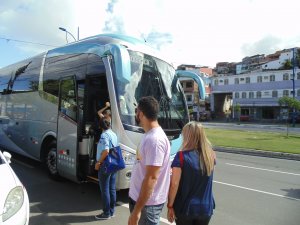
257 93
278 63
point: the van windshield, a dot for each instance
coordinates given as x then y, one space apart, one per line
151 76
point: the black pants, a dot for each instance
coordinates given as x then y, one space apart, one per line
189 221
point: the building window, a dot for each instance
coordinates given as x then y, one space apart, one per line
189 84
242 78
188 98
247 80
226 81
236 94
298 76
286 76
258 94
285 92
244 95
251 94
274 94
272 77
259 79
298 92
236 81
216 82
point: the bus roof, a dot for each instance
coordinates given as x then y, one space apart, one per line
103 39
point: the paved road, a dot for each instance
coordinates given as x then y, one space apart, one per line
256 190
248 190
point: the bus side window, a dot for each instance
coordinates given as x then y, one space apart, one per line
68 99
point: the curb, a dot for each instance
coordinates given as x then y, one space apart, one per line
254 152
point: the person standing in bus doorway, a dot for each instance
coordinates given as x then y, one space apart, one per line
190 199
105 112
151 174
107 181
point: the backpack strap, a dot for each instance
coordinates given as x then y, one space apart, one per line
181 158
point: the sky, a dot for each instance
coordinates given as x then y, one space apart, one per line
195 32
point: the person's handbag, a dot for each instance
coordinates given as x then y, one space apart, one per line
114 160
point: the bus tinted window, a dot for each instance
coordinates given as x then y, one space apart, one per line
68 104
27 76
21 77
62 66
95 65
4 80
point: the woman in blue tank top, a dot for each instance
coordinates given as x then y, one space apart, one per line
190 199
107 181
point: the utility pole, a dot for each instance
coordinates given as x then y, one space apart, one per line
78 34
294 68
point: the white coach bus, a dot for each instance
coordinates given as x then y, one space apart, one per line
49 103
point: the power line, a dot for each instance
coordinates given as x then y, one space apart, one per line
28 42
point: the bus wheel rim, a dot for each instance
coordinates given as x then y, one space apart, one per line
51 162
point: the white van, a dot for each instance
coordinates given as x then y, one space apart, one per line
14 202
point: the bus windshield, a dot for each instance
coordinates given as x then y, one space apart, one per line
151 76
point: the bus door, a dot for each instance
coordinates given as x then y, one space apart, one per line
67 129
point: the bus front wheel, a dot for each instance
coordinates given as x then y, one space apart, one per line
51 161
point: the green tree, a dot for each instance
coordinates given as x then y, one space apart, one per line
289 102
237 110
287 64
237 107
297 63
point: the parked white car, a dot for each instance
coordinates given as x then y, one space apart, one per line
14 202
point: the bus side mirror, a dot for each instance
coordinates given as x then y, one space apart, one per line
122 62
196 78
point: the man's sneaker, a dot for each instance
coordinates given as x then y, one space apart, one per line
112 215
102 216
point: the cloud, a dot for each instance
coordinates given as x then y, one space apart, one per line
193 31
159 39
140 21
36 21
269 44
110 6
266 45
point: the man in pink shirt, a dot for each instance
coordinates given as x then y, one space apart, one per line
150 178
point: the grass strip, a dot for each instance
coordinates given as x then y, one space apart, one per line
260 140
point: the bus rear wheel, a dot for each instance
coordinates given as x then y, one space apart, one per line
51 161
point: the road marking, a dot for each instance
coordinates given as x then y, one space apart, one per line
161 219
22 163
256 168
255 190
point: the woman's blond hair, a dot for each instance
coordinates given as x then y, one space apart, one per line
194 138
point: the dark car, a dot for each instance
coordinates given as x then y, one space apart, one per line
296 115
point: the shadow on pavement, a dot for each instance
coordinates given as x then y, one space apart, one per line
292 193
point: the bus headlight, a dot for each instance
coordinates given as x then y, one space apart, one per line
128 157
13 203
